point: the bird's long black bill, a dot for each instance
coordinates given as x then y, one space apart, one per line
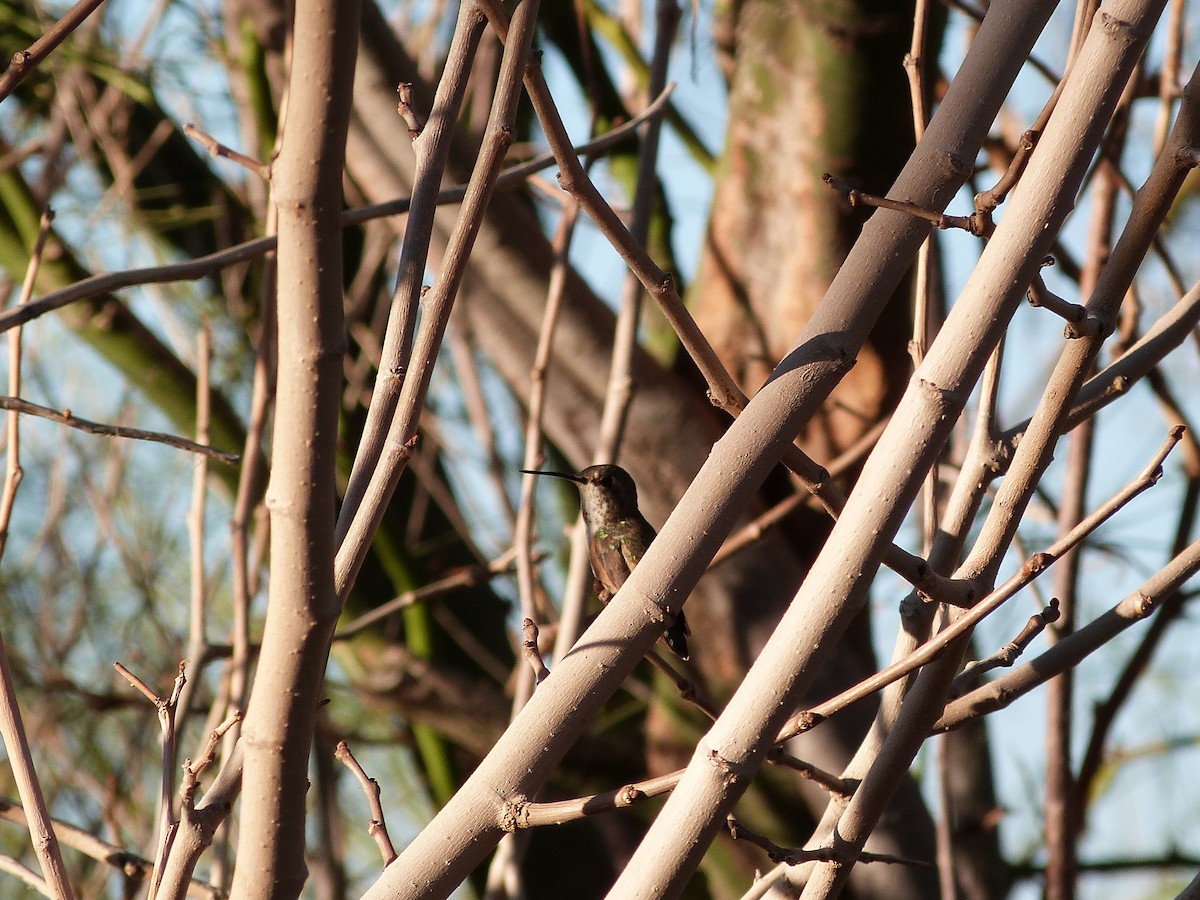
570 476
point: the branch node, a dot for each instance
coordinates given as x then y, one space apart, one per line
514 814
629 795
217 150
1091 326
732 772
405 108
1039 562
1039 295
531 652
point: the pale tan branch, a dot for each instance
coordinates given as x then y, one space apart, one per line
1069 651
217 150
529 650
377 827
1008 654
1032 568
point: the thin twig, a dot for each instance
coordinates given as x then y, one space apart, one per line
575 591
165 708
1040 295
988 200
25 61
197 645
1032 568
12 472
1010 652
193 770
462 354
16 745
755 529
855 197
1069 651
1061 833
203 266
1168 79
838 787
531 652
65 417
404 107
464 577
20 871
688 691
16 741
795 856
914 65
250 478
532 815
619 391
377 827
217 150
559 812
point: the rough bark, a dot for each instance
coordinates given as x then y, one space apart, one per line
817 87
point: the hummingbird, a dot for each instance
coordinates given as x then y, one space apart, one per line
618 534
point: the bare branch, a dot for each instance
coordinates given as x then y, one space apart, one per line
794 856
304 606
938 220
529 649
203 266
1068 652
465 577
377 827
25 61
12 469
217 150
1040 295
404 107
467 827
1032 568
1008 654
16 745
408 360
66 417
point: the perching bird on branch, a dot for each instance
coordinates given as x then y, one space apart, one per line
618 534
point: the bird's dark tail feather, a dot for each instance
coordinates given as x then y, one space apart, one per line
677 634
